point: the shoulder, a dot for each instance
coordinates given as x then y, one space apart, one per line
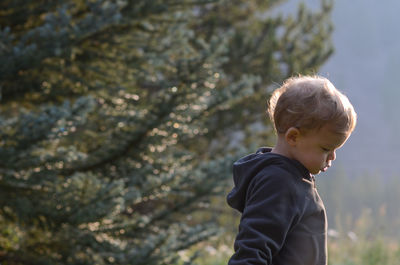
280 176
279 181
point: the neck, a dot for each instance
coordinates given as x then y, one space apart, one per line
281 148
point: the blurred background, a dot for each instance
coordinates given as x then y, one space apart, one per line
120 121
364 67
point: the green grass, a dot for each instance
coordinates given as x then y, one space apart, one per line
341 252
362 243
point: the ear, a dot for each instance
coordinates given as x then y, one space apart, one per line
292 136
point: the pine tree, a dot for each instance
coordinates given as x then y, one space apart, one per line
108 109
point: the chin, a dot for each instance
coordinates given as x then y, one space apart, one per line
316 172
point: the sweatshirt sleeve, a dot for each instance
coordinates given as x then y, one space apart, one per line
269 213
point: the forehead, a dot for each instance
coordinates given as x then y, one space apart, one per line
327 137
330 138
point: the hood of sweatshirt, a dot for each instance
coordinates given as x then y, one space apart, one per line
249 166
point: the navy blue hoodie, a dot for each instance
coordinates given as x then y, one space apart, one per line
283 218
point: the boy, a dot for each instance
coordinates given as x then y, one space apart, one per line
283 218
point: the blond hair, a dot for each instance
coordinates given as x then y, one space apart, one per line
310 102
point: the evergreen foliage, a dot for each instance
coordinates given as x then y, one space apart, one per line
108 109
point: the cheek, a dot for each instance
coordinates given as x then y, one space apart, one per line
320 158
315 160
324 157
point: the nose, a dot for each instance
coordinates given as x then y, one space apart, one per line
332 156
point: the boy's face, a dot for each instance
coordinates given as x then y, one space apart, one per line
316 149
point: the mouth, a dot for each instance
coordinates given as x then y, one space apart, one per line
325 168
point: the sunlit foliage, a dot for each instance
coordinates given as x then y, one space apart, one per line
115 116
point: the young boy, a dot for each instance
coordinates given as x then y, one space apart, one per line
283 218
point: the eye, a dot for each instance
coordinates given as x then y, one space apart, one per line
325 149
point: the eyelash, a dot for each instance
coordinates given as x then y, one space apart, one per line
325 149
